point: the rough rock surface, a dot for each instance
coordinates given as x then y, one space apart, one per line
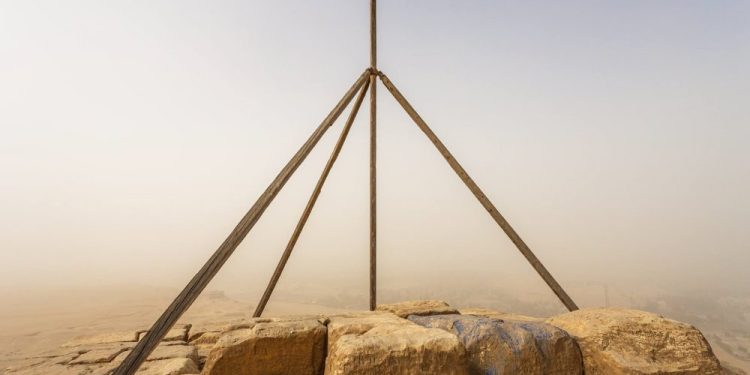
500 315
179 332
206 338
106 338
358 323
620 341
49 369
173 366
429 341
497 347
731 370
395 348
101 354
422 308
278 347
174 351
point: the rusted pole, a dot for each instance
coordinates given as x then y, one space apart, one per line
373 159
196 285
310 203
522 247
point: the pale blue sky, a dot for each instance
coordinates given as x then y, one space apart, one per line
612 134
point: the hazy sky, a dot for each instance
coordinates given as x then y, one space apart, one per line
614 136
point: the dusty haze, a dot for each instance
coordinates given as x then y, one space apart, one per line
613 136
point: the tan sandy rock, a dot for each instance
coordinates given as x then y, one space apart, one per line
64 359
481 341
27 363
106 338
216 326
422 308
197 331
244 324
559 351
203 352
358 323
171 343
104 369
101 354
170 357
499 315
205 338
405 349
174 366
173 351
251 322
59 352
621 341
53 366
281 347
103 359
180 332
177 334
54 369
731 370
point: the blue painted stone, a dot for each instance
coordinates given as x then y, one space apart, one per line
497 347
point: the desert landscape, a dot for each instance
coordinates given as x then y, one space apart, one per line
162 149
33 323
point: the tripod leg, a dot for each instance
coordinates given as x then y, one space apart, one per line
310 203
196 285
522 247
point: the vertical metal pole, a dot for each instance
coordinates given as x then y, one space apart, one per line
373 169
310 203
182 302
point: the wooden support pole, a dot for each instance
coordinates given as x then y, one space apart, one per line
311 203
196 285
522 247
373 159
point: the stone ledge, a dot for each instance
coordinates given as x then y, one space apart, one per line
407 338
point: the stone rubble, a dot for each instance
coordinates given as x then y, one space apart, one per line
101 354
408 338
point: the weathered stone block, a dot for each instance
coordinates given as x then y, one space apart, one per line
100 354
487 313
285 347
405 349
429 307
620 341
358 323
497 347
173 366
173 351
106 338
